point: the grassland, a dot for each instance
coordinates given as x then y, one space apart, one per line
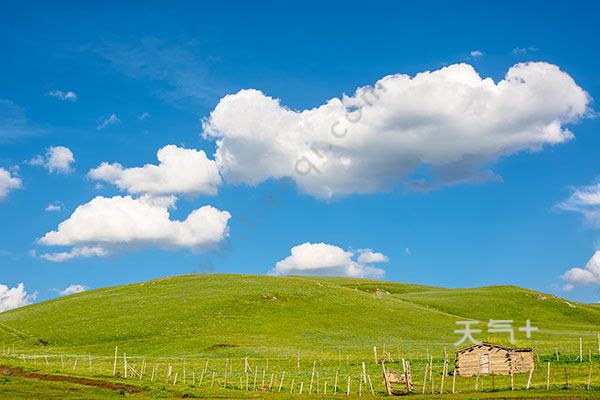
189 321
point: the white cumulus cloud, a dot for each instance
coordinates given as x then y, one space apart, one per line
14 297
368 256
57 159
71 96
8 183
588 275
105 225
180 170
72 289
450 123
329 260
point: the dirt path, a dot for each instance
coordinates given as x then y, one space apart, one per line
59 378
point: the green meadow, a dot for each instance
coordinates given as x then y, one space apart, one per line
242 336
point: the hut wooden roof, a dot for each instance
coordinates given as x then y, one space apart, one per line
524 349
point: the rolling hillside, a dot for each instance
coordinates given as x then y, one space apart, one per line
237 315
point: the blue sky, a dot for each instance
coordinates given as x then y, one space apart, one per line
161 69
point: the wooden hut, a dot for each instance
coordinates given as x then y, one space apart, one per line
487 358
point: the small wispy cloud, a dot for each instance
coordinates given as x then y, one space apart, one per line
181 65
13 121
476 53
72 289
144 116
524 50
65 96
83 251
586 201
420 185
113 119
8 254
55 206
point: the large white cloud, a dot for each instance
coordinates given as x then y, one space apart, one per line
58 159
450 123
14 297
588 275
8 183
180 170
111 224
325 259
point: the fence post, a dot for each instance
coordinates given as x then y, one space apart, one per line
529 379
548 378
453 380
348 391
425 378
589 377
388 387
281 383
335 385
443 375
312 377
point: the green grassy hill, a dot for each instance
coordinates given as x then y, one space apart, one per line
238 315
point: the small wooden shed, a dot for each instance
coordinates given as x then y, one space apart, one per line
488 358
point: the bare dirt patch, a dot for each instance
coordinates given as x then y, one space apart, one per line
59 378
